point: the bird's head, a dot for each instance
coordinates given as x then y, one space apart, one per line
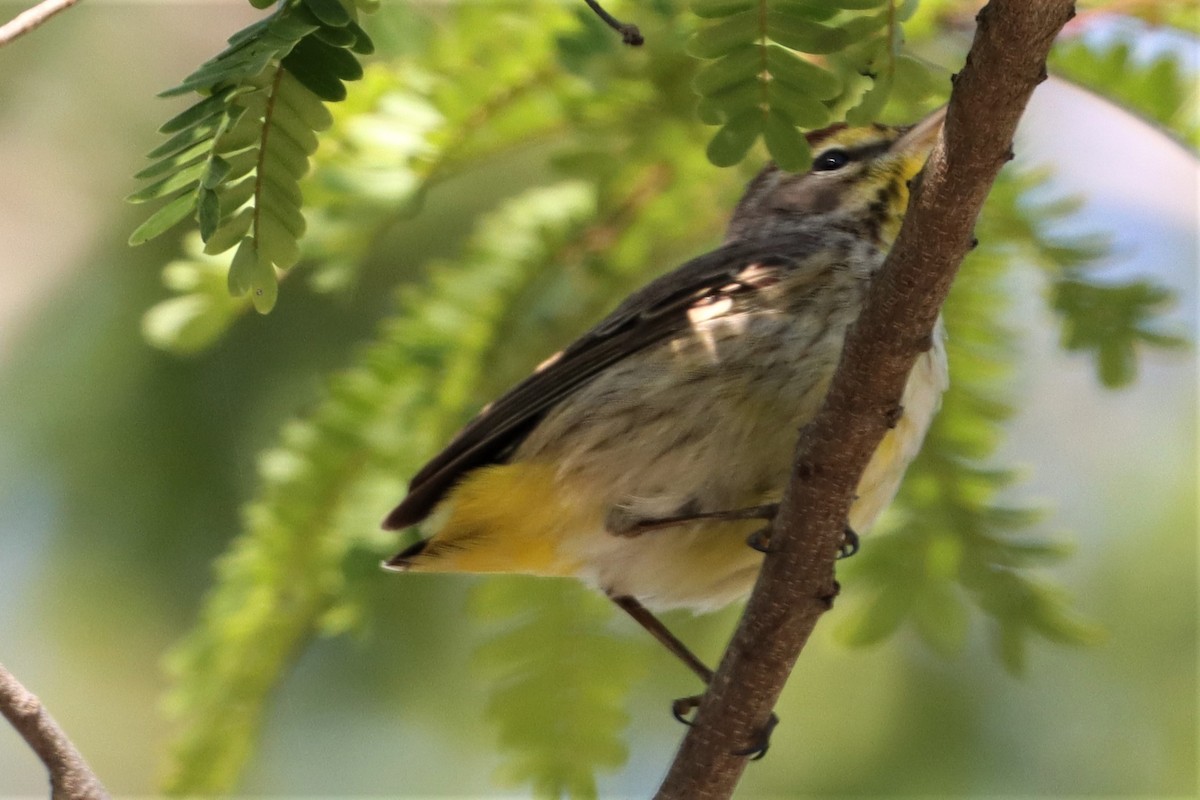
858 182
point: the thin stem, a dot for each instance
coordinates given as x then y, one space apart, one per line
70 776
630 34
27 20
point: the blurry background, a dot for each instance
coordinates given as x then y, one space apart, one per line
123 468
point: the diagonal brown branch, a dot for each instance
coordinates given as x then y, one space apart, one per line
70 776
31 18
796 585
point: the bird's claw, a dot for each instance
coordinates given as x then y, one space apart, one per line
760 540
849 543
684 706
762 741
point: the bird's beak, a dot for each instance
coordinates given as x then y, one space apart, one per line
918 140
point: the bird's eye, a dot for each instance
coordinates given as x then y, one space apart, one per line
830 160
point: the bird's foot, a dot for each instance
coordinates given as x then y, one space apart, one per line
762 741
849 543
684 706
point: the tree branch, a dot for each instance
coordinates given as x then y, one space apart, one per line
796 585
70 776
27 20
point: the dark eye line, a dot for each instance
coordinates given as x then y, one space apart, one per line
864 152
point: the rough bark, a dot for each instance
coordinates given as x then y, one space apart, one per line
70 776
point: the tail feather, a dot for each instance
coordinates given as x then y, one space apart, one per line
402 561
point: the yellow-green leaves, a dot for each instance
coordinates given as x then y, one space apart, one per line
758 82
778 67
955 538
559 684
1159 89
235 157
284 580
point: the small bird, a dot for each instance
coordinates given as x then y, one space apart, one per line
642 457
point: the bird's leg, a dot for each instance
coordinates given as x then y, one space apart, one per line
760 540
638 527
655 628
685 705
653 625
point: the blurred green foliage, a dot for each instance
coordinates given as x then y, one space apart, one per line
588 163
1159 89
539 268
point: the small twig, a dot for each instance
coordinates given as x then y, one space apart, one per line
630 34
26 21
70 776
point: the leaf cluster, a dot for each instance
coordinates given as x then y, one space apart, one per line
234 159
953 537
559 684
777 67
1160 89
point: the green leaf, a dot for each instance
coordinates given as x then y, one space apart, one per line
167 216
246 132
284 187
251 274
184 140
719 108
941 617
185 180
293 25
337 37
214 176
207 211
230 232
872 102
204 111
805 35
878 619
864 26
801 108
714 9
320 56
321 83
330 12
239 164
275 242
303 103
283 155
234 195
281 205
185 324
738 66
362 42
300 139
731 143
193 155
917 79
787 67
787 146
725 36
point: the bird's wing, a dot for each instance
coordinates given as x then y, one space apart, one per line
650 315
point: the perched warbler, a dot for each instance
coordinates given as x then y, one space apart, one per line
637 458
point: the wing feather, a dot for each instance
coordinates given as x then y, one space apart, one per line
650 315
